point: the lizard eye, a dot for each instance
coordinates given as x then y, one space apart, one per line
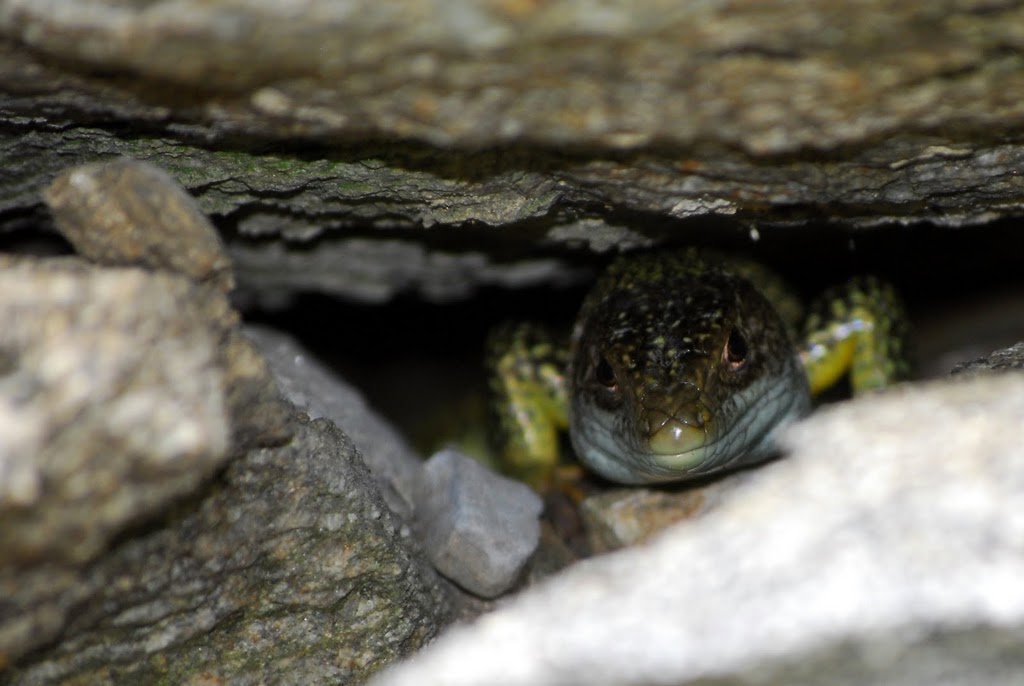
736 350
605 375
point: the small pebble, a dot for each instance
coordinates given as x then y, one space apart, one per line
625 516
132 213
478 528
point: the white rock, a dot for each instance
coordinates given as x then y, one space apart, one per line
888 548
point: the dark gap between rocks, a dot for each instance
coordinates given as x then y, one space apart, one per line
8 360
420 363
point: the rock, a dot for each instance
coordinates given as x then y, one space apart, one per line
510 131
625 516
319 392
133 213
374 270
396 467
621 517
885 549
112 404
769 78
478 528
121 393
290 570
1011 358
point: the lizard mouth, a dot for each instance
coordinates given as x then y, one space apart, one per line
675 437
683 445
675 424
661 446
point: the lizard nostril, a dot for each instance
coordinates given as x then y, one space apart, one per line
736 350
604 374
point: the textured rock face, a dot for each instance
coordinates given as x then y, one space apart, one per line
122 393
614 123
623 517
579 71
999 361
113 403
290 570
316 390
887 555
365 149
130 213
127 212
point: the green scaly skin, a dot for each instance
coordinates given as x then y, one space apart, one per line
680 366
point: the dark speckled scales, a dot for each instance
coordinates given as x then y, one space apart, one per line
664 309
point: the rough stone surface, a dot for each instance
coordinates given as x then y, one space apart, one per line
319 392
290 570
132 213
478 528
439 121
374 270
615 75
438 146
1007 359
120 392
887 548
127 212
113 403
626 516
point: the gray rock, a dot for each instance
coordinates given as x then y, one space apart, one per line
442 144
621 517
289 570
130 213
478 528
396 467
768 78
1006 359
121 393
319 392
885 549
112 403
374 270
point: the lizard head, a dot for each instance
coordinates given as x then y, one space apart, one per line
679 369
